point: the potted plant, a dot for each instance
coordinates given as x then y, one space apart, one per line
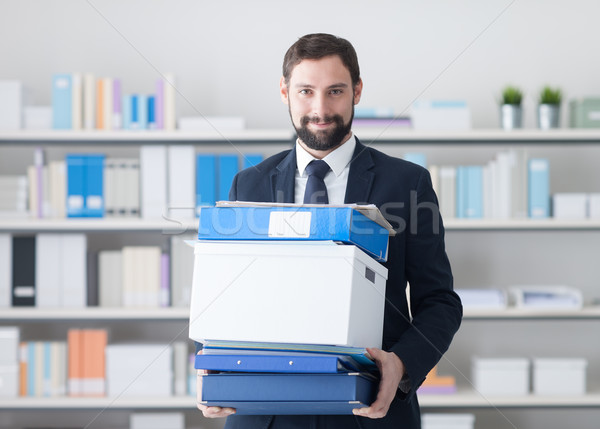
511 113
549 108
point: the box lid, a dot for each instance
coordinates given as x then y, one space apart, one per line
500 363
560 363
447 419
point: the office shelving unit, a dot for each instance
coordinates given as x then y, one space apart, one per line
474 247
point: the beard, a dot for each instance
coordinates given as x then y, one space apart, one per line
323 139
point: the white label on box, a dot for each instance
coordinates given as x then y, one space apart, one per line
24 291
289 224
94 202
75 202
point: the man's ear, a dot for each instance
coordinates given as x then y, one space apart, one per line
283 90
358 91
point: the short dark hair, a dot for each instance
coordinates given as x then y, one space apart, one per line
319 45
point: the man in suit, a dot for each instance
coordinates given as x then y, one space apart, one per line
321 84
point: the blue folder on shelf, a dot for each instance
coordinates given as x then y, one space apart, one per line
289 393
309 363
346 224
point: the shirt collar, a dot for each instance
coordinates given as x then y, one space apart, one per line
337 159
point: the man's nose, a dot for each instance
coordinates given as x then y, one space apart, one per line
320 106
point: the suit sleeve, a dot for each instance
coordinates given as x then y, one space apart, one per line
436 309
233 189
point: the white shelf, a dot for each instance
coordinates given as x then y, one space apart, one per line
518 313
471 399
144 137
170 313
189 225
467 399
520 224
176 402
259 136
478 136
57 137
94 313
98 224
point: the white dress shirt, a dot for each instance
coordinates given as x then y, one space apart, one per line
335 180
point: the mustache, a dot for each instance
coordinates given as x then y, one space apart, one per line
316 119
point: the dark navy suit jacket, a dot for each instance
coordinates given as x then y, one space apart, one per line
404 194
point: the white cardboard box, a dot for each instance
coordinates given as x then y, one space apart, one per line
569 206
501 376
565 376
594 206
9 381
447 421
287 292
139 370
157 421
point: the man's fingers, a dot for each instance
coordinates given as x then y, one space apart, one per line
373 412
215 412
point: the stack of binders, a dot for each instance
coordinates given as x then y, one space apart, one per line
285 300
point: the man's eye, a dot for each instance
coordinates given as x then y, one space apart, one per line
336 91
304 91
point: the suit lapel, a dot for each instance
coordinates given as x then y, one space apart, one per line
283 179
360 178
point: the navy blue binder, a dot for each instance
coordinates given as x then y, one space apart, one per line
289 408
289 393
309 363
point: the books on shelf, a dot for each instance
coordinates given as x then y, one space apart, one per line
84 364
87 363
170 181
23 271
509 186
60 275
80 101
42 368
85 185
141 277
13 195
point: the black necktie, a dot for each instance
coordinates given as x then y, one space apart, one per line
316 191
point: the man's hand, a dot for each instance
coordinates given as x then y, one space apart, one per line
211 412
391 369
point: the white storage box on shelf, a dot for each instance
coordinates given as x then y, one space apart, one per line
287 292
501 376
447 421
565 376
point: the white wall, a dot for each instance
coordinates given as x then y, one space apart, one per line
227 55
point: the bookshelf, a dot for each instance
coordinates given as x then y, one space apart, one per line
463 399
513 250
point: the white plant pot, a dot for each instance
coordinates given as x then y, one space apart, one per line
511 116
548 116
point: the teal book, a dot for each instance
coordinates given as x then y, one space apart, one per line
474 187
62 102
538 188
